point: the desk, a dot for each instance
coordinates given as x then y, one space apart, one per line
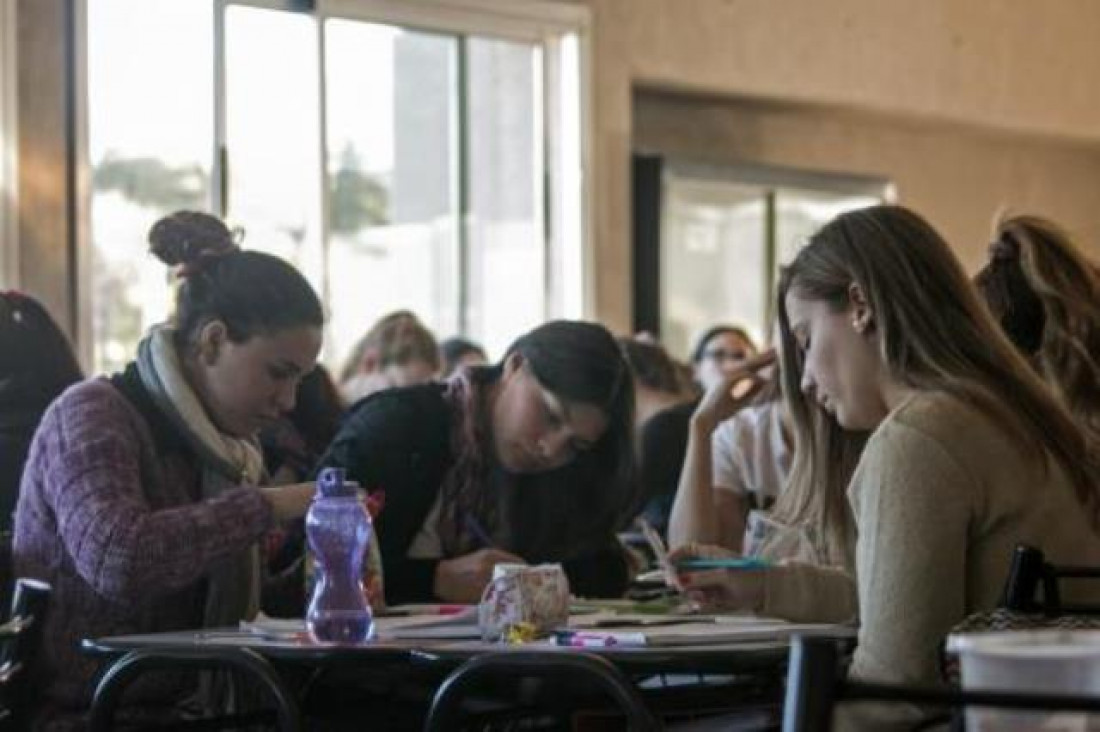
751 671
733 658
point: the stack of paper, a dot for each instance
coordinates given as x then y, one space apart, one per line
703 630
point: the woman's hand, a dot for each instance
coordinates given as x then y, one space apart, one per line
463 579
733 393
289 502
716 589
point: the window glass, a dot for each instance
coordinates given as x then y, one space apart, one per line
150 108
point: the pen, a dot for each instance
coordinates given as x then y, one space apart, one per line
660 552
477 532
688 565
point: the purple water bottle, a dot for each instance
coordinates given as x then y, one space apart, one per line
338 528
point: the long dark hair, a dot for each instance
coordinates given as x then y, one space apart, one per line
651 365
581 362
251 292
36 361
578 362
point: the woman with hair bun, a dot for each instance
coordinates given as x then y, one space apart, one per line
1045 293
140 502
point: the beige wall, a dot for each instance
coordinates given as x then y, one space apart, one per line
1008 65
958 175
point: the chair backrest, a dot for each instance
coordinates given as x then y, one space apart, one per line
1030 573
20 638
816 685
121 673
602 674
6 570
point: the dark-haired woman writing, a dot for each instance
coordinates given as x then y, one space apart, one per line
528 460
139 501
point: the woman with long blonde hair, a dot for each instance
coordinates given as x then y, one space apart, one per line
1045 293
969 453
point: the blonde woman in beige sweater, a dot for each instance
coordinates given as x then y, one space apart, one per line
968 454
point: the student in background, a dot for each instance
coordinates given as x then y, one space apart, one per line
1046 295
457 352
293 444
36 365
140 503
291 447
738 457
398 350
528 460
969 453
662 410
720 352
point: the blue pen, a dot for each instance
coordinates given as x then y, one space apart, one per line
478 533
687 565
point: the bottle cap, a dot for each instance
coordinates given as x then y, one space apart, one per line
331 483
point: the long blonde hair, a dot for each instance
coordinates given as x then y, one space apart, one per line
934 335
1046 295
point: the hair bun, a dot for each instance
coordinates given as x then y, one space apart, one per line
1004 247
185 238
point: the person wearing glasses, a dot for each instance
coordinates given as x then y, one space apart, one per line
719 353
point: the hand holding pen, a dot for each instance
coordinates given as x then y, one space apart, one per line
462 579
718 579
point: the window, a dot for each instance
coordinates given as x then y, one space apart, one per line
723 233
424 155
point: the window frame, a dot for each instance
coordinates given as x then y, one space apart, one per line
9 147
654 174
543 22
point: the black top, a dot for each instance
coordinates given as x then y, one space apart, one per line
16 432
399 441
663 448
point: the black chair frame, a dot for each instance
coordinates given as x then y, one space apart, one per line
1030 572
120 674
445 712
815 685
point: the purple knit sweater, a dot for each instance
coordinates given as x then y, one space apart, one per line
118 530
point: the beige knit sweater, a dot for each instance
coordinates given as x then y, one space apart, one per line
941 497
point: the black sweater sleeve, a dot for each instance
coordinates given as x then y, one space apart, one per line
397 441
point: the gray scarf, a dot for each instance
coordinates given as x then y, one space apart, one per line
233 592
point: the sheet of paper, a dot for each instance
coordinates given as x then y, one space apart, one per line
456 625
692 631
